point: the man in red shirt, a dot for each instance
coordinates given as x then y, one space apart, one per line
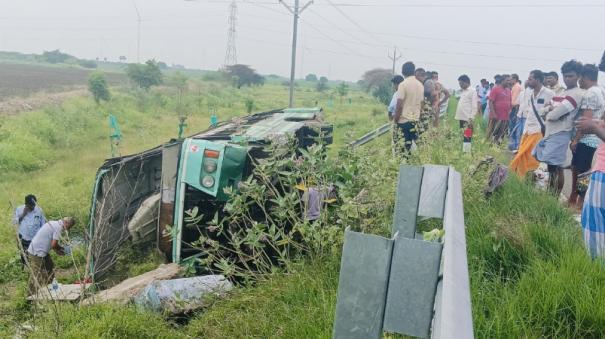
500 104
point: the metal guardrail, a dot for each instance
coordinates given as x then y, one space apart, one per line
371 136
404 284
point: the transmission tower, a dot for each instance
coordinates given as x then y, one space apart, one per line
231 54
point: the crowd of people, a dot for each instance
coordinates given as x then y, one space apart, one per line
543 120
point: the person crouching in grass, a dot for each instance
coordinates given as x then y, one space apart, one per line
40 262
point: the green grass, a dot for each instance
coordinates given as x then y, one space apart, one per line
530 276
55 152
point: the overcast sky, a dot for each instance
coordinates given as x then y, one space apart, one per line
479 38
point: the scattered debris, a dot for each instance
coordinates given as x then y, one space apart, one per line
67 292
180 296
129 288
142 226
485 161
496 179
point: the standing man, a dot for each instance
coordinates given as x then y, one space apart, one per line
583 145
513 143
593 210
468 102
29 218
395 81
420 75
41 264
409 104
443 95
499 107
482 92
539 95
551 79
560 117
432 96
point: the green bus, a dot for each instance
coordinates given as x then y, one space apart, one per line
144 197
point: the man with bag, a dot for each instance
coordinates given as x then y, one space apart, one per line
533 130
559 121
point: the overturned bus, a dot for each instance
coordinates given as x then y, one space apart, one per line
137 197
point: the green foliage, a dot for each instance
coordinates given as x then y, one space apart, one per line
530 276
97 85
145 76
342 90
101 321
322 84
383 92
249 105
378 82
87 63
56 56
297 305
243 75
311 77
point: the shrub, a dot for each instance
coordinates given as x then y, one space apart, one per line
145 76
97 85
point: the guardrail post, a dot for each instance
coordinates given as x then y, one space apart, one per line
394 284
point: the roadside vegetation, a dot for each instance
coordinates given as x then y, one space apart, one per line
530 276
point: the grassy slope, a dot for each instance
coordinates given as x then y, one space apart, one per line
530 276
55 152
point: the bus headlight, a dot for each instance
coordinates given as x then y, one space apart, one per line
209 166
207 181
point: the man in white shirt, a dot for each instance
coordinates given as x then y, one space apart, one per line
468 104
40 262
551 80
29 218
538 97
559 120
395 81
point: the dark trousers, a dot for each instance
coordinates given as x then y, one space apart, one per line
512 117
496 130
42 272
409 132
23 250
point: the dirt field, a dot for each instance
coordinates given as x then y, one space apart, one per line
22 80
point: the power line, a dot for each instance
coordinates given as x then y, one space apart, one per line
362 29
408 5
423 5
337 27
352 21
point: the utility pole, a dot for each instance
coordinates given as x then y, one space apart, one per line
296 11
231 53
138 32
394 58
